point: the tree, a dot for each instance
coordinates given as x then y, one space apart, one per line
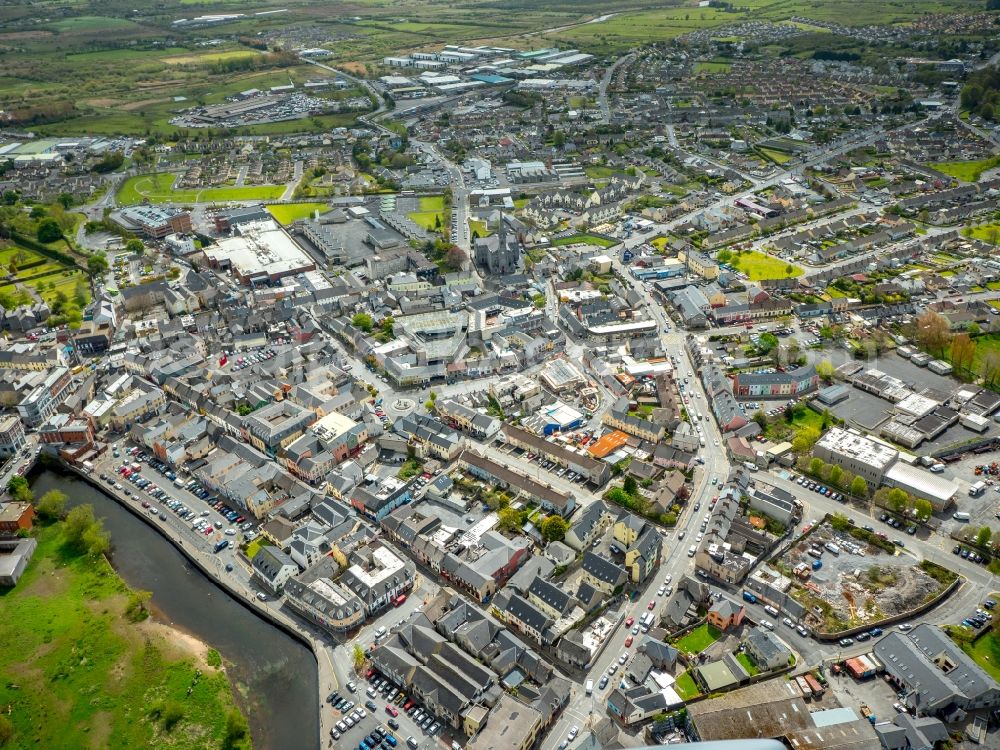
554 528
760 418
358 657
97 264
804 439
388 322
19 489
923 508
236 731
897 500
932 332
990 368
816 466
825 370
456 258
539 301
630 485
836 474
963 352
65 200
96 540
859 487
983 536
135 247
48 231
766 342
509 520
78 521
51 505
363 321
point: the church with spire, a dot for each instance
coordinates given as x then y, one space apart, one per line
499 254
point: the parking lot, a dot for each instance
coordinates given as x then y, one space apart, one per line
182 501
375 714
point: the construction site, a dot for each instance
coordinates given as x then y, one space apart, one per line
845 582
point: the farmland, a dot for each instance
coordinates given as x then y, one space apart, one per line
158 188
79 671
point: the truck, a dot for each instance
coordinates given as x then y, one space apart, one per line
832 548
867 713
646 622
977 488
221 545
749 596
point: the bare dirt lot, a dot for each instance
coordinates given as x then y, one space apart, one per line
861 585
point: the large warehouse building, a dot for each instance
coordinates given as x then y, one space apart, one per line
260 252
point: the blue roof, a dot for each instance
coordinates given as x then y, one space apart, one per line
489 78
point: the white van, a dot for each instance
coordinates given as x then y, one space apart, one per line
771 610
590 687
961 516
380 633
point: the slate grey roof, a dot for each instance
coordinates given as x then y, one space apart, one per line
913 659
603 569
551 594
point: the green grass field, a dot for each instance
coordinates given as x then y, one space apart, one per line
46 277
685 687
757 266
712 67
585 239
431 215
967 171
597 172
479 227
76 673
286 213
986 652
157 188
698 639
778 157
987 233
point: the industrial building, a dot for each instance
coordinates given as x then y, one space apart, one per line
260 252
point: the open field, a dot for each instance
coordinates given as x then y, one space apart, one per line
987 233
431 215
157 188
46 277
584 239
757 266
286 213
778 157
698 639
597 172
712 67
77 672
967 171
211 57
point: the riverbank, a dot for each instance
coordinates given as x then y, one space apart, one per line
81 667
274 668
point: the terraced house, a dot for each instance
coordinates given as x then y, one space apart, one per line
788 384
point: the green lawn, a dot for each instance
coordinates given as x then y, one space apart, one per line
748 665
157 188
986 233
698 639
967 171
778 157
685 687
75 672
986 652
757 266
712 67
479 227
48 277
432 203
586 239
430 220
286 213
597 172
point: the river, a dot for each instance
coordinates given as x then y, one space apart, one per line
276 674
